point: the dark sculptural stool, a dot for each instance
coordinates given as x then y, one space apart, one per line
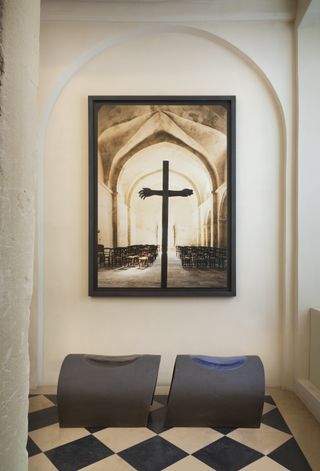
216 392
114 391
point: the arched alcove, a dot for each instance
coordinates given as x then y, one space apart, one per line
260 156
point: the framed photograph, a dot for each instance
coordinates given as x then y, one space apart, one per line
162 196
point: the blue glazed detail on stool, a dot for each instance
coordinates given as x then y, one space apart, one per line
219 363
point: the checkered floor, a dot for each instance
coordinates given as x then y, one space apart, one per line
155 448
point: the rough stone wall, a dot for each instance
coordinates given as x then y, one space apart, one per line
20 22
1 49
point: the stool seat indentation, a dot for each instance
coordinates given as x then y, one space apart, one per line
219 363
111 361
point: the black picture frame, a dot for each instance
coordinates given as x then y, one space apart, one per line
214 115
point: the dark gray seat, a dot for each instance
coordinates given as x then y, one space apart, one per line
113 391
216 392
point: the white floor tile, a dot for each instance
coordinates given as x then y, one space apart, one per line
191 439
264 464
118 438
264 439
189 464
40 463
52 436
38 403
112 463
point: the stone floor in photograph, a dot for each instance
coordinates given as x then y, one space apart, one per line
272 447
178 277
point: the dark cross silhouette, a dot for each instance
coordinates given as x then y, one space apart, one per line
166 194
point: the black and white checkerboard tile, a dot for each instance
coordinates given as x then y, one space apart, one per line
155 448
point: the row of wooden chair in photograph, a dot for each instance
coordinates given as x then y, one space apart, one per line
141 256
202 257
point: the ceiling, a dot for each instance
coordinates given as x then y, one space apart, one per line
166 10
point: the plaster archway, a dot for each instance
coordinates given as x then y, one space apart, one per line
83 59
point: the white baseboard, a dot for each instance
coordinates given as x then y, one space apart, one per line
309 395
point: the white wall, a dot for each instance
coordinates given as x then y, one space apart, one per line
173 61
315 347
308 42
309 201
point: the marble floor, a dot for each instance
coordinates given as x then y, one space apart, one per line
288 439
178 277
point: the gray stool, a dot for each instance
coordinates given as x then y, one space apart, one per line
114 391
216 392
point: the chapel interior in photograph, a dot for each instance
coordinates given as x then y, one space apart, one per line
134 142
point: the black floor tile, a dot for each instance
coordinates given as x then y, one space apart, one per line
52 398
224 430
227 455
269 400
154 454
290 456
78 454
275 419
156 420
94 429
32 448
162 398
42 418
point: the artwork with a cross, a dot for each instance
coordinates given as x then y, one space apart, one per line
162 196
165 193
